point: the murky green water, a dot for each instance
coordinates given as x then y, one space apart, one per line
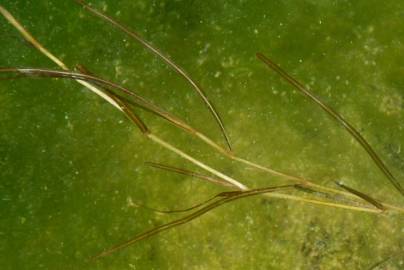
71 165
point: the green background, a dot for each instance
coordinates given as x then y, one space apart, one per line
70 164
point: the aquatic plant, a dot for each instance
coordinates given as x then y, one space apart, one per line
293 188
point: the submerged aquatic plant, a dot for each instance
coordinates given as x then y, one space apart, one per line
124 99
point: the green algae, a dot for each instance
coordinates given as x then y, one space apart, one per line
71 165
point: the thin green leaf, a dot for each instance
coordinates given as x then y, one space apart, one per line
336 116
363 196
229 196
189 173
167 60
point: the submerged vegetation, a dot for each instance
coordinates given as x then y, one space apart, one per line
336 195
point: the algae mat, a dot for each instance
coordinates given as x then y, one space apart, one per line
72 168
